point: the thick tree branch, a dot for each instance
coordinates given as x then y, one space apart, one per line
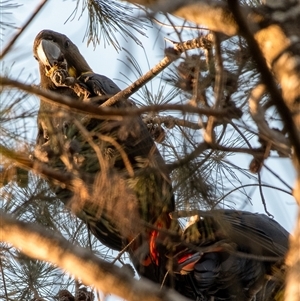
278 140
284 106
153 72
213 14
283 57
36 242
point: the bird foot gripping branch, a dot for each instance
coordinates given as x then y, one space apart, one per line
60 76
57 68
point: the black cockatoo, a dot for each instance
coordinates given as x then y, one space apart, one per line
116 159
225 255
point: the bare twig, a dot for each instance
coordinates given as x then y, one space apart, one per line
263 200
66 179
170 122
13 40
209 134
165 62
87 135
107 112
250 151
121 151
253 185
278 177
194 154
213 146
3 279
172 54
125 249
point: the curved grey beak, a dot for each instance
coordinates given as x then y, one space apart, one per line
49 53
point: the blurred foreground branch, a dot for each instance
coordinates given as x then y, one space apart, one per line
38 243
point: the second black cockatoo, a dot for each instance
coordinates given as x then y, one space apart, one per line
226 255
116 159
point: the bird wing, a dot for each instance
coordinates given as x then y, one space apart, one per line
254 233
98 84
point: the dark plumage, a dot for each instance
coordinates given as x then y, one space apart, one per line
127 177
84 295
237 257
128 182
64 295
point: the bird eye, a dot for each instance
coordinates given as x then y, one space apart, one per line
67 43
35 57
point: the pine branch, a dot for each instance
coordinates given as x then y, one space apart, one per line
107 112
37 242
